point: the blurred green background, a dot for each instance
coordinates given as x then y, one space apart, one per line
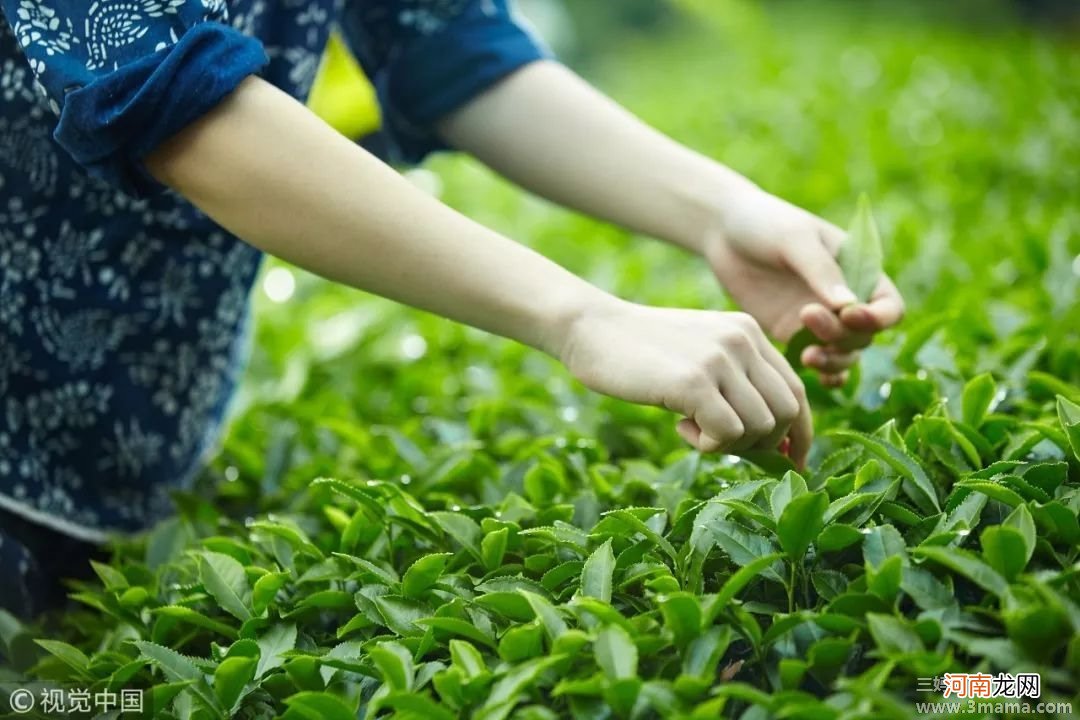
960 119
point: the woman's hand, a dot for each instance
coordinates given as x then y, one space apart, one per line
716 368
777 262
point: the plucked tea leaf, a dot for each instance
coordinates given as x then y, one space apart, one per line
860 255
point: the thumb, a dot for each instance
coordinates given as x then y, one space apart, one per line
813 262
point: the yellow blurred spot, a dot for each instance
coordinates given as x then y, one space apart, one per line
342 95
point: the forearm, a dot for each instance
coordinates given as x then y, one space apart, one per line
268 170
552 133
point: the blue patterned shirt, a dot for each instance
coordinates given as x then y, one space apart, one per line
123 309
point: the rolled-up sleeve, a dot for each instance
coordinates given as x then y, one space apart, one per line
125 75
429 57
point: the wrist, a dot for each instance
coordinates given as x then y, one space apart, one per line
706 200
567 317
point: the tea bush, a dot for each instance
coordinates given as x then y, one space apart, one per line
411 519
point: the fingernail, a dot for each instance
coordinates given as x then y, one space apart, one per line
842 295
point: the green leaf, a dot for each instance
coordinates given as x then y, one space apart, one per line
1005 549
223 577
423 573
70 655
178 668
919 487
400 614
703 654
790 487
682 616
968 565
493 547
860 255
515 679
462 528
273 643
288 532
310 705
395 664
549 617
881 543
631 520
596 575
1021 520
892 636
230 677
468 658
1069 416
415 707
885 580
978 396
265 589
457 626
521 642
112 578
742 577
616 653
744 547
801 521
837 537
193 617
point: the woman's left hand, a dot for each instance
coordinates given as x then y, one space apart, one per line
778 262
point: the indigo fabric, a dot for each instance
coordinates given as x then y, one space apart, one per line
123 309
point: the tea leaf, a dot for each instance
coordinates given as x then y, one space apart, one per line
802 520
616 653
597 572
860 254
224 578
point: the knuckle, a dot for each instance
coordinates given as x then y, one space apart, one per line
763 427
734 432
737 339
689 380
789 410
798 389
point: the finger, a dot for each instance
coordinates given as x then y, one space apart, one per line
885 309
801 432
714 426
811 260
831 330
776 393
757 420
823 322
829 360
802 436
832 236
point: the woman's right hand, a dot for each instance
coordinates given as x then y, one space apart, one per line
736 391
